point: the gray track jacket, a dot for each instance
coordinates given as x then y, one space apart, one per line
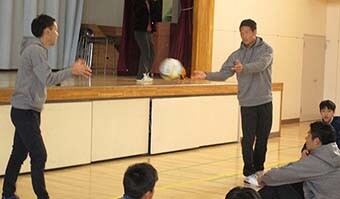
34 74
254 82
319 172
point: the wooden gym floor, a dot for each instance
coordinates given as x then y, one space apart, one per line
204 173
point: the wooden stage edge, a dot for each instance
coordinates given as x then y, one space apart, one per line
121 90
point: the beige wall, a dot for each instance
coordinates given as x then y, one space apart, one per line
110 12
282 23
103 12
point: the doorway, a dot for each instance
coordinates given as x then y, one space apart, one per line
312 76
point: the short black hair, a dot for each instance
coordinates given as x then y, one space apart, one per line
139 179
39 24
325 132
250 23
242 193
327 104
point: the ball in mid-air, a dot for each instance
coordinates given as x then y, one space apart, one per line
171 69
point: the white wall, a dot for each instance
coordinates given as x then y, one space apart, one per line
282 23
103 12
332 68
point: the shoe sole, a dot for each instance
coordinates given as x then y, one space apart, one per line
251 184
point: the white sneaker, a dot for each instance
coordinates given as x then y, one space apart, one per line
252 180
145 79
148 77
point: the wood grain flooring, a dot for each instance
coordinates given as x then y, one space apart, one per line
204 173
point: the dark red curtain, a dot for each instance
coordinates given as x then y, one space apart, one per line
181 44
128 49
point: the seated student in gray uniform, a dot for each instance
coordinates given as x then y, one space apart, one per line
316 176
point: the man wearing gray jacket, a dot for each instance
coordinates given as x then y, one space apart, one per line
33 76
316 176
252 63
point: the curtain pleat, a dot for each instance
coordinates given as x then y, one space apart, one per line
181 46
68 14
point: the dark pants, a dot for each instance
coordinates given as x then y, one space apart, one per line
27 141
145 43
256 123
291 191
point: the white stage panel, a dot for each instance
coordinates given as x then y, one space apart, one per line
120 128
188 122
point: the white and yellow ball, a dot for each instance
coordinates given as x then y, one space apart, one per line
171 69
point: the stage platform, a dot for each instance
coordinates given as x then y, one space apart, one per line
109 117
112 87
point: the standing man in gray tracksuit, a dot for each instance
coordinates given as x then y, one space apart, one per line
33 76
252 63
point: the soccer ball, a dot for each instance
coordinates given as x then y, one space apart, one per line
171 69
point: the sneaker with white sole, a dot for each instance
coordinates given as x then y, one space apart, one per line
252 180
149 77
145 78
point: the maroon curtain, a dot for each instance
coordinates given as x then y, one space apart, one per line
181 45
128 49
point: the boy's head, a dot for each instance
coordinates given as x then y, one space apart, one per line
327 109
320 133
242 193
139 181
45 28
